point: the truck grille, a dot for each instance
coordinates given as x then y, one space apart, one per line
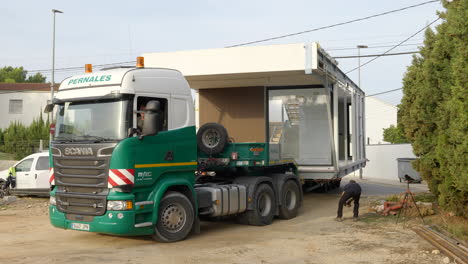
81 204
81 183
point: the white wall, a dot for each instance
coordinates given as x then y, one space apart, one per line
33 104
382 158
379 115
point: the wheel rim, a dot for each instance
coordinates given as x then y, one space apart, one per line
173 218
290 199
211 138
264 204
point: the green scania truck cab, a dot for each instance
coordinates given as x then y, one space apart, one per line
126 159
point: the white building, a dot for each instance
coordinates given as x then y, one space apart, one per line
22 102
379 115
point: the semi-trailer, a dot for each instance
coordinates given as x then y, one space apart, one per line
133 154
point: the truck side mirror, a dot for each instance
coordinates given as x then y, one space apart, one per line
49 108
132 131
152 121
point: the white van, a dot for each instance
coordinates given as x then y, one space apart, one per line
32 175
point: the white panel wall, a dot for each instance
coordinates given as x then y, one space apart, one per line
379 115
33 104
287 57
382 158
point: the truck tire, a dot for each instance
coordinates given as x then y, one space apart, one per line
290 200
338 183
212 138
264 207
175 218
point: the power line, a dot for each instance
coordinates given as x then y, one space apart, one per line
333 25
62 70
394 47
373 47
41 89
80 67
389 91
377 55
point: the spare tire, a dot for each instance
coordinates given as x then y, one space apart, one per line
212 138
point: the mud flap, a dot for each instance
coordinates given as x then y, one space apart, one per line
196 226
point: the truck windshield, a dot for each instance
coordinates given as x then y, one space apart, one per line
103 120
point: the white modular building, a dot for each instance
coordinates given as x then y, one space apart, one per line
22 102
293 96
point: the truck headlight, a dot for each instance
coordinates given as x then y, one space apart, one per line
119 205
52 200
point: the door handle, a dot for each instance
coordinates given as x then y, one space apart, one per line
169 155
35 176
26 174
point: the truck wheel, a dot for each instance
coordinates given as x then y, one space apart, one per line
212 138
264 207
175 218
338 183
290 200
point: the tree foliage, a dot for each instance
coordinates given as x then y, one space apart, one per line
434 111
21 140
394 135
19 75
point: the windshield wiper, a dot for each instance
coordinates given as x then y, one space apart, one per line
64 140
97 138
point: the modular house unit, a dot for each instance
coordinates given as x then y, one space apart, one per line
292 96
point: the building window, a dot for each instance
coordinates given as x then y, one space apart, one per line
16 106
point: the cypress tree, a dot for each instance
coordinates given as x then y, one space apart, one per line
434 111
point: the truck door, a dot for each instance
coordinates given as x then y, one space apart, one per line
24 179
151 151
41 173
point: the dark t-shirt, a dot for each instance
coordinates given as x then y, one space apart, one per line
352 188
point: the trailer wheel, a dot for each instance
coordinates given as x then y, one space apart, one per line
212 138
324 187
290 200
175 218
264 207
335 184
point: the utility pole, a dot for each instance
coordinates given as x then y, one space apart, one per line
54 11
359 47
52 81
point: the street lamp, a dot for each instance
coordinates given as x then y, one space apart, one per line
359 47
54 11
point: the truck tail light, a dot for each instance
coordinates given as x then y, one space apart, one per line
234 155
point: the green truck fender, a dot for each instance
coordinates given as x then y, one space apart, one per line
166 183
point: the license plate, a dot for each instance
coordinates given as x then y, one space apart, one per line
80 226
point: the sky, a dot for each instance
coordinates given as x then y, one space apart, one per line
100 32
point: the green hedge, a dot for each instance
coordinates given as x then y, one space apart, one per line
434 110
21 140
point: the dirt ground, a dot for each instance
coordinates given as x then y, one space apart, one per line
313 237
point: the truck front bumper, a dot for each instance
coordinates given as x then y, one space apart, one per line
109 223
